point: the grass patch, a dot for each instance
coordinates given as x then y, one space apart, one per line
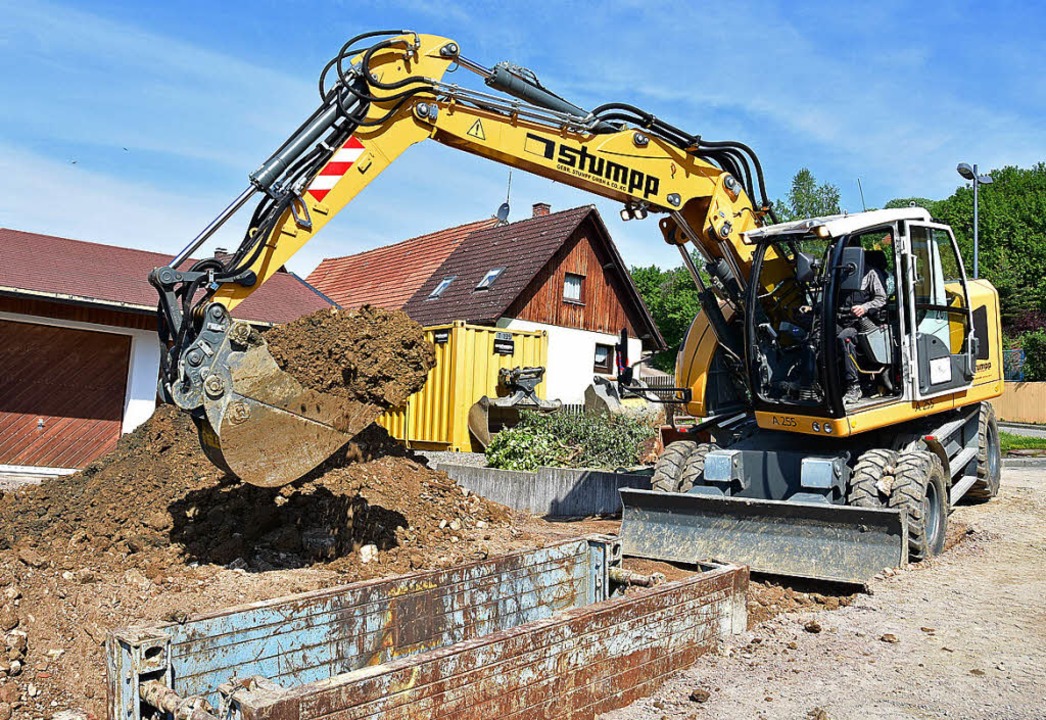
1009 441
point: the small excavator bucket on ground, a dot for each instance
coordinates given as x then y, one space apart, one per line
490 415
260 424
820 541
604 396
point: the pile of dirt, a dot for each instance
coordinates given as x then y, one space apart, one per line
767 599
369 355
153 532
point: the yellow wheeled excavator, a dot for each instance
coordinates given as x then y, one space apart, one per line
800 479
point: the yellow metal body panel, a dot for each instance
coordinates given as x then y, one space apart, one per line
382 145
436 417
695 360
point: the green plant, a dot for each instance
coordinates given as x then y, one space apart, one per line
568 440
1034 344
1009 441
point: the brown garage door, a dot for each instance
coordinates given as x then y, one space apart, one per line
61 394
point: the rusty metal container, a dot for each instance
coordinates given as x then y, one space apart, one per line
468 358
545 633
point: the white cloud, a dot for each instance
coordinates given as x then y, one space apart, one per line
56 198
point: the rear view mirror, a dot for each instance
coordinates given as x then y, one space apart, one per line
805 268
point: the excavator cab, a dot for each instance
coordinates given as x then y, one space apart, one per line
801 297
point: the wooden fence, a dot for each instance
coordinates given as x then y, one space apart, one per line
1023 402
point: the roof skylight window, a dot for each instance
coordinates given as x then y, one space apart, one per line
443 285
488 279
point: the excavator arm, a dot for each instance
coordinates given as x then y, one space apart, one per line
377 101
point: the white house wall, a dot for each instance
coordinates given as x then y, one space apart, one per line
571 354
142 371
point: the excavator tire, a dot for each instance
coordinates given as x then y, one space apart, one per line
669 467
989 457
866 486
920 489
694 470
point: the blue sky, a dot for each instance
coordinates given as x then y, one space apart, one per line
134 123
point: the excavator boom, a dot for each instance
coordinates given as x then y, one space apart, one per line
377 101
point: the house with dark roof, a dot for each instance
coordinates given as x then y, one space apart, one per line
78 344
558 272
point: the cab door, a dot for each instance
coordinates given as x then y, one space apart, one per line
940 324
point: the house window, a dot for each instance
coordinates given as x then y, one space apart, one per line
604 360
443 285
489 278
572 287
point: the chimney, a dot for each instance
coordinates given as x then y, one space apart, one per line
542 209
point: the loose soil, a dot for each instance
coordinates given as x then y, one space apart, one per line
154 532
369 355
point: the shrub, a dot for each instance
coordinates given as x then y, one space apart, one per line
567 440
1034 345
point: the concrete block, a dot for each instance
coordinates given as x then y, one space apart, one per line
555 492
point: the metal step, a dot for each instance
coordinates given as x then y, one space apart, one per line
965 482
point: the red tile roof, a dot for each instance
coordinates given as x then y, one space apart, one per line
94 273
389 275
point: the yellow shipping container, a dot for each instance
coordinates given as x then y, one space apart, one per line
468 358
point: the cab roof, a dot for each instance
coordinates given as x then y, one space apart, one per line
843 224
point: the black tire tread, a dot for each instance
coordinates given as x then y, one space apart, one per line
694 470
914 470
872 466
987 485
669 467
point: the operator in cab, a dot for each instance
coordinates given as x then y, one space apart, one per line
854 308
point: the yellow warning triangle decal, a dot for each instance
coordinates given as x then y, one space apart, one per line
476 130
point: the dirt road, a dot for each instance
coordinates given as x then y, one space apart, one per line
963 636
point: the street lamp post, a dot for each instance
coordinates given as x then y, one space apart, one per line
970 173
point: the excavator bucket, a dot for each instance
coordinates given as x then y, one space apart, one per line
808 540
490 415
260 424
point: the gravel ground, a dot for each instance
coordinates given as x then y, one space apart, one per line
9 480
962 636
435 457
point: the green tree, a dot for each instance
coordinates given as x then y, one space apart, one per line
1012 236
912 202
808 199
671 297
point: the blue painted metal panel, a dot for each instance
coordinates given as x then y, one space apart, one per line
322 634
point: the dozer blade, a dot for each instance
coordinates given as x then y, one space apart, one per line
807 540
268 430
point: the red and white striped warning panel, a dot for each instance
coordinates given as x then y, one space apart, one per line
343 158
